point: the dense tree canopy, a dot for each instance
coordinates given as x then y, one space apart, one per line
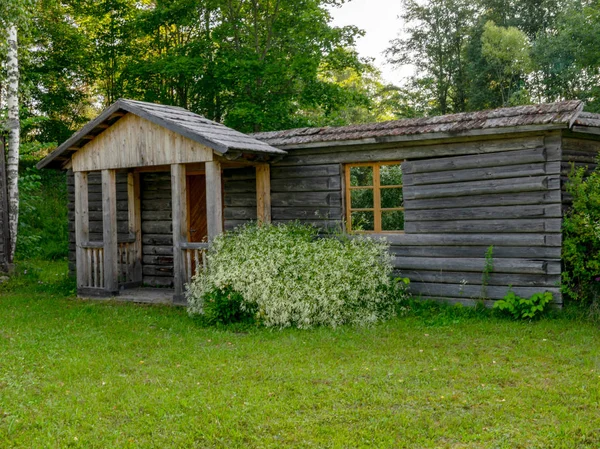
472 55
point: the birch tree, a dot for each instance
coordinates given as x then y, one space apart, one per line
12 165
13 14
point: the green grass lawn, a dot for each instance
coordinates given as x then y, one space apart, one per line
108 375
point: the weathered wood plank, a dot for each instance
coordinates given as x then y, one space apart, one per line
352 153
535 183
475 291
533 239
158 260
179 227
81 227
240 213
157 215
240 186
484 226
306 184
307 213
510 252
157 227
307 199
476 161
473 278
240 199
214 199
519 266
308 171
157 239
110 238
485 213
495 199
158 250
477 174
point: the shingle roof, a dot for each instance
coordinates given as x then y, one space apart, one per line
193 126
561 113
588 119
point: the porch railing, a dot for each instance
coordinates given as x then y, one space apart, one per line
94 257
194 258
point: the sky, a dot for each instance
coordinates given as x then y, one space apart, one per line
381 23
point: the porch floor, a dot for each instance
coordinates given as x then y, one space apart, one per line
142 295
147 295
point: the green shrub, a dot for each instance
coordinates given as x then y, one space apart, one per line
288 276
581 238
523 308
224 306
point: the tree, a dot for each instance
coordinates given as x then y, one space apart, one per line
507 53
436 35
13 14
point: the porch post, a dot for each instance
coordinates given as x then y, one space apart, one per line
214 199
135 222
82 231
263 193
109 226
179 204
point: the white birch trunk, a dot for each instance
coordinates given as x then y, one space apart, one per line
12 165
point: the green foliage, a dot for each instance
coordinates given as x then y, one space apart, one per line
507 51
289 276
523 308
43 221
488 268
224 306
581 238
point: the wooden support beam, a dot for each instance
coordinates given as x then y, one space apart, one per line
214 199
109 225
82 232
180 220
135 221
263 193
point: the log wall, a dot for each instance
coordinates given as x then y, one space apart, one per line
95 210
460 199
577 152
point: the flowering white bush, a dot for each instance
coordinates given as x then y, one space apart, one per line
293 278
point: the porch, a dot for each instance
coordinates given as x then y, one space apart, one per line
112 264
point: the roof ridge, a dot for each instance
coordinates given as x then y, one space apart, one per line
504 112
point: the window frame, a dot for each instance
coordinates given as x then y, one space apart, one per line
376 187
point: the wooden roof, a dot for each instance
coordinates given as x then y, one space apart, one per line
214 135
520 118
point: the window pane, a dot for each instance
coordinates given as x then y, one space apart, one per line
390 175
363 221
391 198
361 176
392 220
361 199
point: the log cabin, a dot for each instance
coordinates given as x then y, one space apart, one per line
471 204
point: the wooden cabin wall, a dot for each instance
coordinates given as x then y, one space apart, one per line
311 194
95 210
239 196
460 199
157 229
578 151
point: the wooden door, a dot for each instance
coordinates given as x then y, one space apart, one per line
196 199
